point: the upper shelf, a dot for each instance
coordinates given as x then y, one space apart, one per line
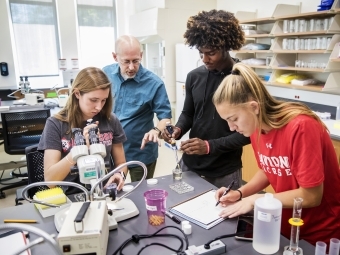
317 88
259 35
286 11
320 32
252 51
307 15
281 9
258 21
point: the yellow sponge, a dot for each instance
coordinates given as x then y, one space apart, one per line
51 196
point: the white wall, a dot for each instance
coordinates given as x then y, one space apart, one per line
124 9
6 52
152 24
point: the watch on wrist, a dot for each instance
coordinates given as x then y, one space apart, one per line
123 175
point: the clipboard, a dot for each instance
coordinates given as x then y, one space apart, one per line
200 210
191 198
12 240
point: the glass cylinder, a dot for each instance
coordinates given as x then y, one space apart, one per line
297 63
177 173
302 44
291 26
302 25
318 43
312 25
296 25
285 44
324 43
295 230
296 44
318 25
325 24
285 26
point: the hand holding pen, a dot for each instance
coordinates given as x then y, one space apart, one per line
226 191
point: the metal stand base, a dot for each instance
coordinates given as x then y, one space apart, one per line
122 210
289 252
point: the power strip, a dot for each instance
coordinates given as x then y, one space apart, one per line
216 248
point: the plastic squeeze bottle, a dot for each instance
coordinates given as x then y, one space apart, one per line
267 224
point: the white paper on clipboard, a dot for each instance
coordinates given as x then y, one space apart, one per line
12 241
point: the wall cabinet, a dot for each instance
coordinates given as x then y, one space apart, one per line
320 62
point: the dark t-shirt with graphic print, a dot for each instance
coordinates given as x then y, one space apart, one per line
54 137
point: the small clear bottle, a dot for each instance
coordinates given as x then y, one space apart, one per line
22 85
177 173
27 85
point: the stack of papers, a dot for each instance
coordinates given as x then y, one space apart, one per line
200 210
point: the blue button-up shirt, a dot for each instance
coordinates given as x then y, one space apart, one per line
136 101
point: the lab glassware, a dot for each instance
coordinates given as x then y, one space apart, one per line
320 248
155 201
296 222
334 246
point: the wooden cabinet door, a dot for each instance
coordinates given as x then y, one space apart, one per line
250 166
249 163
336 144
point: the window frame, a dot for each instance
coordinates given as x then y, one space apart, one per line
56 31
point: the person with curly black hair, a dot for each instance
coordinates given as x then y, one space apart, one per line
213 151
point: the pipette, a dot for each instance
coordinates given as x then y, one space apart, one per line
173 142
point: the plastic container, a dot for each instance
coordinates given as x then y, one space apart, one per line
267 224
334 246
155 201
320 248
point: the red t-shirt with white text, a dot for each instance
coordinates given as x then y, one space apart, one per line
302 154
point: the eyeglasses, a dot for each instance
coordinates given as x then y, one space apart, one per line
135 62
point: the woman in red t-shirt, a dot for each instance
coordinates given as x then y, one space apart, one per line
293 150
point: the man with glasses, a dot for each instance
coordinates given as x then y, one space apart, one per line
138 95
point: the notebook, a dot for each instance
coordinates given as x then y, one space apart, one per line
200 210
12 241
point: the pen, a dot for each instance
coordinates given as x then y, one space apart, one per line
19 221
226 191
173 217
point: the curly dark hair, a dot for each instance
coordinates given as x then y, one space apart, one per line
215 29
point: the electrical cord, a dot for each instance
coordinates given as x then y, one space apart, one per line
207 245
137 238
